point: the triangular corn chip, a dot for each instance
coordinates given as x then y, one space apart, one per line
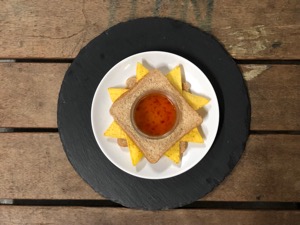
135 153
194 100
141 71
115 131
174 76
193 136
174 153
115 93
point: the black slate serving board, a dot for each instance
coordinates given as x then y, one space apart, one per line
86 72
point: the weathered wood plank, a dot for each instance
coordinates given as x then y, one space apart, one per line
258 29
29 93
15 215
34 166
274 92
55 29
267 171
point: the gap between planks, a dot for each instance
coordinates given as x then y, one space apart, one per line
238 61
55 130
42 170
30 92
242 205
13 215
258 29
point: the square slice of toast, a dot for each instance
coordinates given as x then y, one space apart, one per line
154 149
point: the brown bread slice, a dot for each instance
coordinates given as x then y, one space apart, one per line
154 149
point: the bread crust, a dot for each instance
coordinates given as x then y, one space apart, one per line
154 149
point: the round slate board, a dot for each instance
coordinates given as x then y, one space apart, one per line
86 72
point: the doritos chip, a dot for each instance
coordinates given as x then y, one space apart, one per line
194 100
174 153
174 76
135 153
115 93
115 131
141 71
193 136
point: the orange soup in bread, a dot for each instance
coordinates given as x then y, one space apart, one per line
155 114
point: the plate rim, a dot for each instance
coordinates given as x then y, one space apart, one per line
105 77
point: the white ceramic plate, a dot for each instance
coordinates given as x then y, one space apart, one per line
101 119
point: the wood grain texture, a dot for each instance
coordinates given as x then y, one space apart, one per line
274 95
54 29
34 166
15 215
29 93
267 171
258 29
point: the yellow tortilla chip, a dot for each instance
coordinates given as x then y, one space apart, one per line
141 71
115 131
115 93
194 100
193 136
174 76
135 153
174 153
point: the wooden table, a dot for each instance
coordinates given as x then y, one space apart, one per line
39 39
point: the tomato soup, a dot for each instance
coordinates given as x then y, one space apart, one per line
155 114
